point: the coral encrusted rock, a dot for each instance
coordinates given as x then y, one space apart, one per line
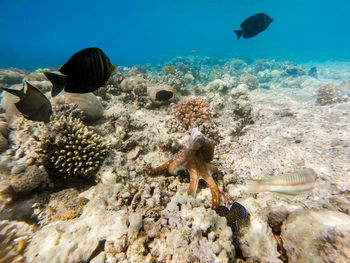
72 149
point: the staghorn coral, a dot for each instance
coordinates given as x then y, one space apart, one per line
190 110
72 149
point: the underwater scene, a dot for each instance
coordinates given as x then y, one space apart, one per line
175 131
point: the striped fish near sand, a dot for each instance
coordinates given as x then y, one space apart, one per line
288 185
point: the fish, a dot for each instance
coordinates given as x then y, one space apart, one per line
197 73
253 25
287 185
164 95
235 213
86 71
33 104
193 50
169 69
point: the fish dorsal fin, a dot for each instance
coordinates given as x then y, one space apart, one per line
28 89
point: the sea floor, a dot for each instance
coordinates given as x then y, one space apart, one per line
268 118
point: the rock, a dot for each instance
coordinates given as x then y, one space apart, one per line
153 89
129 84
218 85
3 143
8 104
135 224
88 103
10 77
29 179
256 240
317 236
3 128
75 240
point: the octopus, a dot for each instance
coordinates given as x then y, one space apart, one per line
194 157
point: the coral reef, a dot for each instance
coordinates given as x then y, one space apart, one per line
135 91
329 94
72 149
251 81
9 77
194 157
190 113
264 121
190 110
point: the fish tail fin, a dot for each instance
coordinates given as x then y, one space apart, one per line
111 69
256 186
238 33
58 82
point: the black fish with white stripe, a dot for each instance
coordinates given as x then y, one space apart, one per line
84 72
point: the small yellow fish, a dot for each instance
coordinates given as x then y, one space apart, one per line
288 185
197 73
169 69
193 51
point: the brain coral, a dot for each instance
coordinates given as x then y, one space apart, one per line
72 149
191 110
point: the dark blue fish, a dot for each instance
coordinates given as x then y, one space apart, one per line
84 72
235 213
253 25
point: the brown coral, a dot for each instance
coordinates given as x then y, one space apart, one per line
72 149
190 110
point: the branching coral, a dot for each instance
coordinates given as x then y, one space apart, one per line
190 110
72 149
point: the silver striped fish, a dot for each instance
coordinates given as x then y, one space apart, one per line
288 185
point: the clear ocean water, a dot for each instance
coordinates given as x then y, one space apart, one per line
46 33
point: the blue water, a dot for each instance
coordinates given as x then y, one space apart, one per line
46 33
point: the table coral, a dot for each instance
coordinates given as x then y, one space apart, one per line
194 157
